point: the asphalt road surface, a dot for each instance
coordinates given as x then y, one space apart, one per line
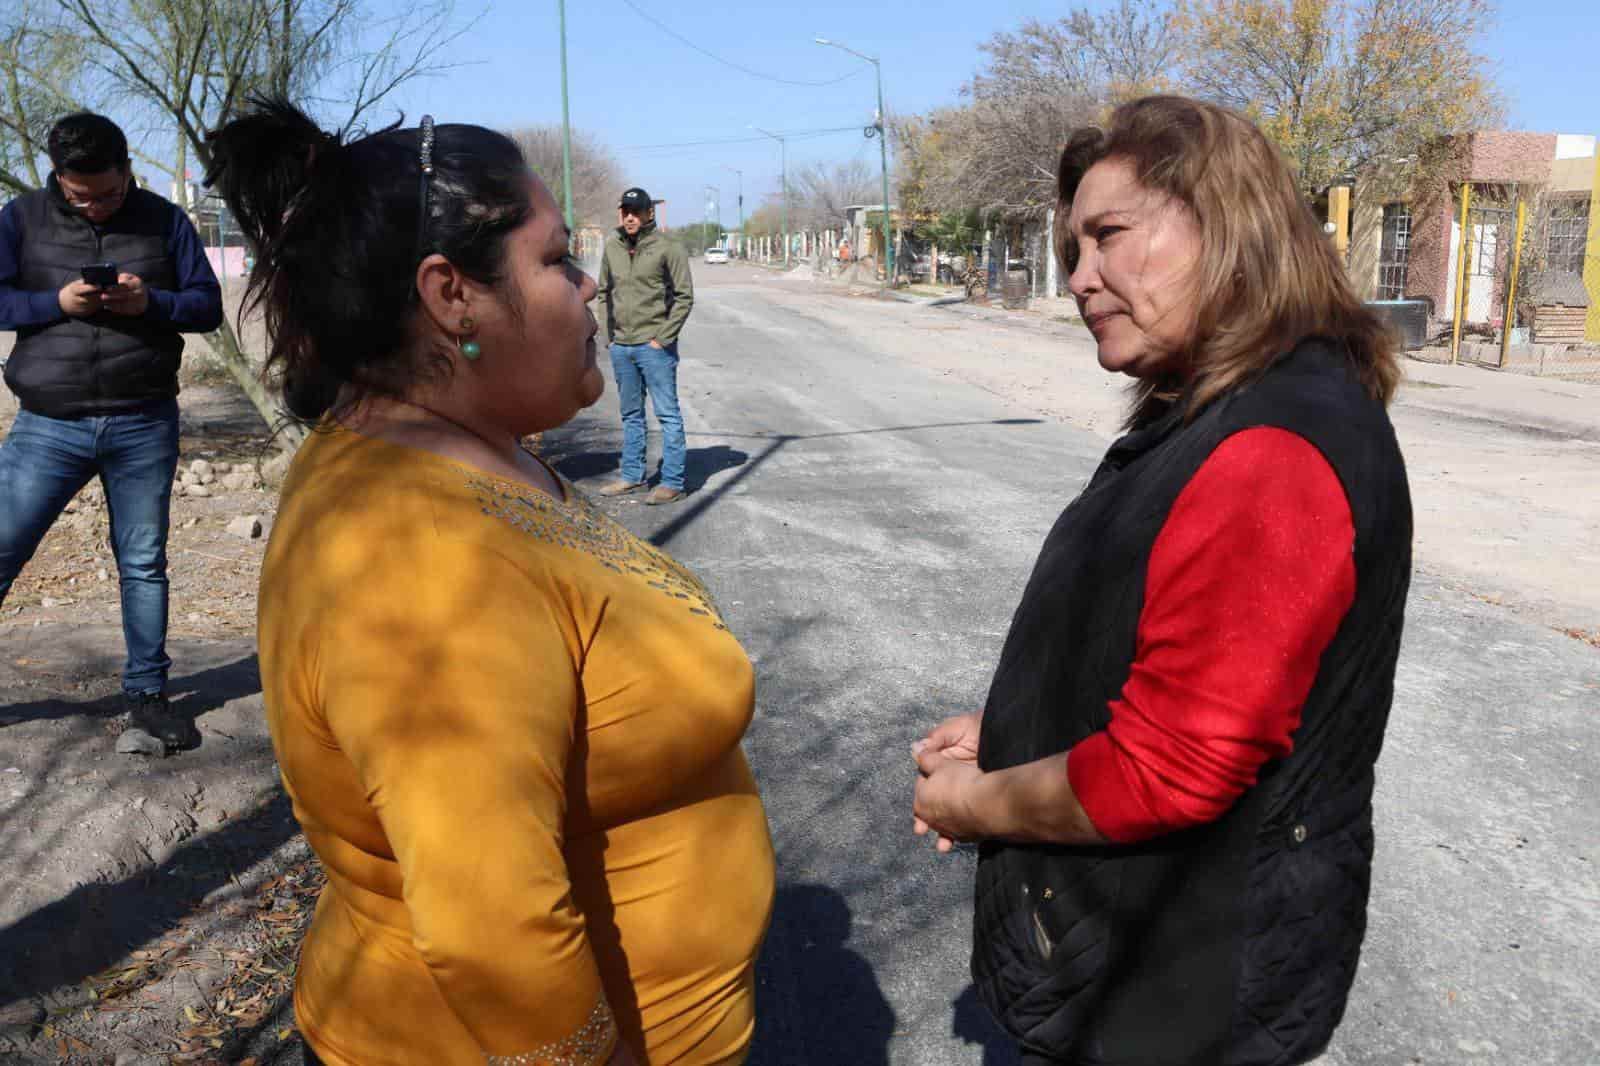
867 526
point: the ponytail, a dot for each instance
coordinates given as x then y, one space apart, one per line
262 162
334 228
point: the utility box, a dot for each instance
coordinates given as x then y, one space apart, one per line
1015 288
1408 319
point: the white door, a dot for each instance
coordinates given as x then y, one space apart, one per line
1483 253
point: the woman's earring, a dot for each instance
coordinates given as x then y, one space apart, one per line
470 350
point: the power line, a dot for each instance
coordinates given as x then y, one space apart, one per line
675 35
799 135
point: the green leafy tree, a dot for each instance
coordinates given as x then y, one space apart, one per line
1342 85
697 236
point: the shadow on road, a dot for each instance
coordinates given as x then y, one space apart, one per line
586 449
776 442
98 924
973 1025
700 464
817 1001
193 695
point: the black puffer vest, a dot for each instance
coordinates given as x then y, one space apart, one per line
1236 942
107 363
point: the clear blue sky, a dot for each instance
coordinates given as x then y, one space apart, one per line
632 85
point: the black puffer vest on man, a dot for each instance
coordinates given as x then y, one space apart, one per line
1233 943
108 363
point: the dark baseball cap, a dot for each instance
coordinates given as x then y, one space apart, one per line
636 199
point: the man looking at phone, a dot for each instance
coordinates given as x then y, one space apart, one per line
99 278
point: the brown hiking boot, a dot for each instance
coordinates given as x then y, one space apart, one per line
661 494
620 488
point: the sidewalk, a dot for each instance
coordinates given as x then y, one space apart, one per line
1568 409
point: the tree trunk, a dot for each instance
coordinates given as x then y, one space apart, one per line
183 178
225 343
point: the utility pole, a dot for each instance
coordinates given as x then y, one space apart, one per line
783 150
742 237
566 123
713 215
878 129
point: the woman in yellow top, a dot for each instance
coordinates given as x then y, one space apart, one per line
510 729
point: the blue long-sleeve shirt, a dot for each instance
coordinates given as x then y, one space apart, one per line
194 306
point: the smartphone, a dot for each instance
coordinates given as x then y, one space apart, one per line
101 275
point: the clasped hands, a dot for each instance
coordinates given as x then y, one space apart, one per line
946 802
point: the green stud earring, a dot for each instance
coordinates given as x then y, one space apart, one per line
471 350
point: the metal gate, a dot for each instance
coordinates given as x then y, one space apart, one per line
1491 229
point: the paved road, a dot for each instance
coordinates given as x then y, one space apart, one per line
867 527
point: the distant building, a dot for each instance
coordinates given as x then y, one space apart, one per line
1406 231
865 232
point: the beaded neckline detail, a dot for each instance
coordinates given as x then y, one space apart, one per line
578 525
586 1047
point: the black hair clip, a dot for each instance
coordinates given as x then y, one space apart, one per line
427 144
424 183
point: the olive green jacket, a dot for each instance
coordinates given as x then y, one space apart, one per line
645 288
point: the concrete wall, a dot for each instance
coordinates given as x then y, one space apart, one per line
1591 265
1572 175
1575 146
1366 245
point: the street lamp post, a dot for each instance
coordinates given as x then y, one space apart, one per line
714 213
743 239
783 150
566 123
883 153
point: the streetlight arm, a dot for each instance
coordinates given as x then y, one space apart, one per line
846 48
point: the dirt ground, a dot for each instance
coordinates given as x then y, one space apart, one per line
103 849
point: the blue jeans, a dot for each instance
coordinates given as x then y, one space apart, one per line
43 464
641 370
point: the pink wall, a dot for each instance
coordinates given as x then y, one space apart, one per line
235 261
1512 157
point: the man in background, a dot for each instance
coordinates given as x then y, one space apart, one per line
646 291
99 278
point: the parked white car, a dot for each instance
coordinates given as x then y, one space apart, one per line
716 255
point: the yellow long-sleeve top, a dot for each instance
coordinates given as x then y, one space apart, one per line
510 730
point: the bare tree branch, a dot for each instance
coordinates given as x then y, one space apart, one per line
597 180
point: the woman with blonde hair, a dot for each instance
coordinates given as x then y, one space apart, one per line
509 728
1172 776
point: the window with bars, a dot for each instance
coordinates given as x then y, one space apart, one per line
1483 248
1569 233
1394 252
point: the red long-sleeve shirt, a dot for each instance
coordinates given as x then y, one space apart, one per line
1248 581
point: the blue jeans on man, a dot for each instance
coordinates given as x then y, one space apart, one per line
641 371
44 462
